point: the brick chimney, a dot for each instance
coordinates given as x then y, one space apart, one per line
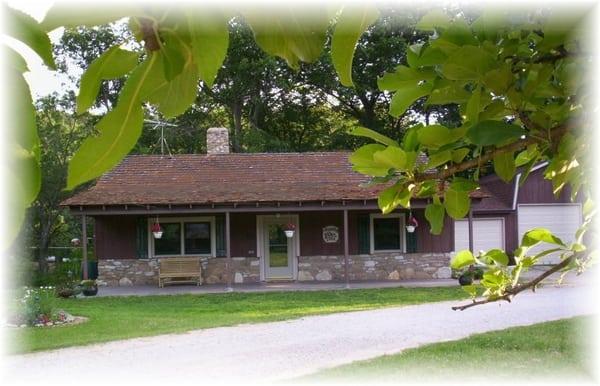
217 140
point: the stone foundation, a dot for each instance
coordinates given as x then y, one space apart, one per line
128 272
389 266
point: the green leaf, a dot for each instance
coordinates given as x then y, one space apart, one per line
498 256
172 97
504 166
538 235
468 63
470 289
448 91
24 145
15 61
210 40
459 155
419 56
360 131
486 133
119 131
392 157
363 162
474 106
462 259
26 29
463 185
176 55
403 77
392 197
405 97
457 203
113 63
432 20
292 32
499 79
352 23
89 14
410 142
439 158
435 213
435 136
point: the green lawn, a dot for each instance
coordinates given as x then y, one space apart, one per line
546 350
114 318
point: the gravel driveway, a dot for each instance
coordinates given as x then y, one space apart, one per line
272 351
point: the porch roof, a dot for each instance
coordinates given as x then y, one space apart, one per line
218 179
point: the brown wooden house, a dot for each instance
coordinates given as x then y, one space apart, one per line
232 210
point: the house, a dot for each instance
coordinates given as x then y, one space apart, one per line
232 211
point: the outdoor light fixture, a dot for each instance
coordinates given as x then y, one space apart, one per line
157 230
412 224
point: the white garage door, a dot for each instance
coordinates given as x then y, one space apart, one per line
488 233
561 219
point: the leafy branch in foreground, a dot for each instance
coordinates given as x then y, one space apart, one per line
517 80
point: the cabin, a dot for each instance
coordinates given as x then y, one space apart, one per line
303 217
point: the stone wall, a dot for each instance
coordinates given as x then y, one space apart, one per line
388 266
128 272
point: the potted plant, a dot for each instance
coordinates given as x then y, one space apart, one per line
412 224
89 287
157 230
289 230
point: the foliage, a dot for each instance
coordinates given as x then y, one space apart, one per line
37 305
118 317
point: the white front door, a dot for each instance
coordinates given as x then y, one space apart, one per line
488 233
278 249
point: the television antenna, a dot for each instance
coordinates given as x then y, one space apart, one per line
163 141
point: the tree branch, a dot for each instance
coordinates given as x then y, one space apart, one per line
512 292
556 132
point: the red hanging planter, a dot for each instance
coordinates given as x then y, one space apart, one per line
412 224
156 230
289 230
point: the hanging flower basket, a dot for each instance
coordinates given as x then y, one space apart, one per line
289 230
412 224
157 230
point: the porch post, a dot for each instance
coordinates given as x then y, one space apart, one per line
346 248
471 230
228 248
84 246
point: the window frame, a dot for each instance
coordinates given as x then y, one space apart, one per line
182 221
401 222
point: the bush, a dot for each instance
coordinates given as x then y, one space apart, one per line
36 306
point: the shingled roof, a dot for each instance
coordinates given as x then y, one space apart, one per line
228 178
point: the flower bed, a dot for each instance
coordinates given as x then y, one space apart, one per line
36 307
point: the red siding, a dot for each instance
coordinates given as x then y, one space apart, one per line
428 243
115 237
243 234
538 190
311 233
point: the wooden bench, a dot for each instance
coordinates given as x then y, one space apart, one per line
184 269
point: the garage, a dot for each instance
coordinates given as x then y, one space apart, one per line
488 233
561 219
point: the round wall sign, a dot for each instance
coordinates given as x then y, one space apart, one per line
331 234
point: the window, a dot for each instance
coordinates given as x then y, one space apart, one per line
387 232
185 236
197 238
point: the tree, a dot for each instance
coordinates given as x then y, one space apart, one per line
515 81
61 134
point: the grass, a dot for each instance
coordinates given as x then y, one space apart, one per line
114 318
538 351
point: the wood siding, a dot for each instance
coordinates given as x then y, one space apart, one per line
311 233
538 190
243 234
115 237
